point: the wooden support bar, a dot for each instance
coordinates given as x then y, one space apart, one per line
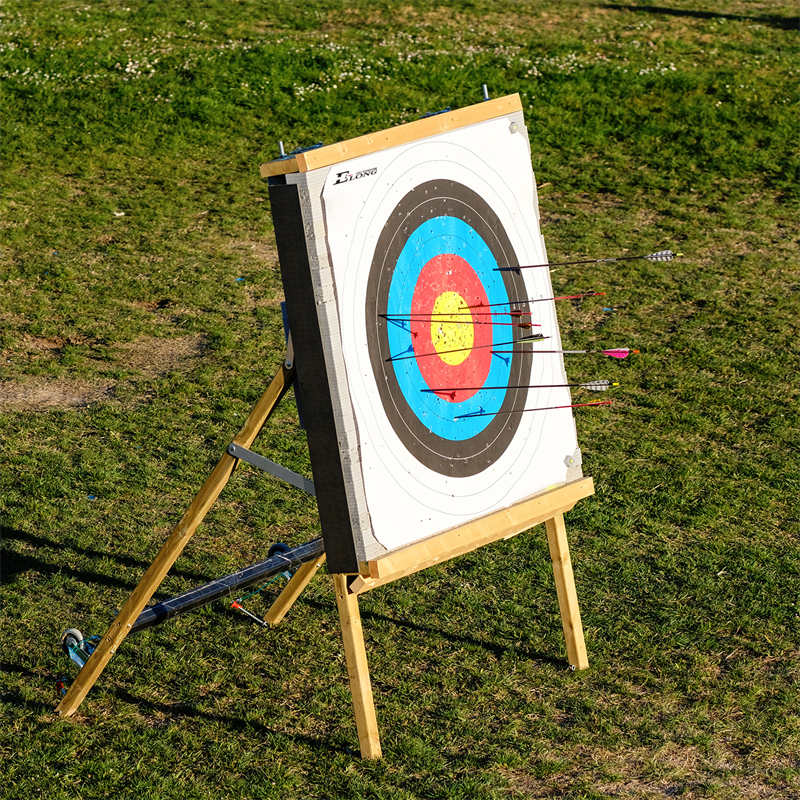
565 589
356 657
172 548
262 410
392 137
286 599
465 538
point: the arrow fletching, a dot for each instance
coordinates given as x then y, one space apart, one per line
619 352
598 386
662 255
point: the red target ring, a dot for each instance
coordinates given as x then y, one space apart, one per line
443 329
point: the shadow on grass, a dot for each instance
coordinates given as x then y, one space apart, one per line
234 723
174 710
497 648
14 698
14 564
773 20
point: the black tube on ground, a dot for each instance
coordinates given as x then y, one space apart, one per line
293 558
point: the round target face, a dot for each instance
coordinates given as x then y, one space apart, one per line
434 316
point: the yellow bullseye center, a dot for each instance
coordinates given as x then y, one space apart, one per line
451 328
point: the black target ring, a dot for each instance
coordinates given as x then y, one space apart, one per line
448 456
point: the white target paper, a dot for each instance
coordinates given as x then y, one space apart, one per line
409 490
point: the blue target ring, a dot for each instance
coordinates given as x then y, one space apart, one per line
436 236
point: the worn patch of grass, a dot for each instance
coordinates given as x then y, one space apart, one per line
139 280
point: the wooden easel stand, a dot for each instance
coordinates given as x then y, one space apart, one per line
548 507
173 547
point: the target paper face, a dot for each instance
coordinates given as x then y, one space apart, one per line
432 284
437 369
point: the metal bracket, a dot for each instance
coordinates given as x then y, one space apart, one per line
265 465
301 149
288 362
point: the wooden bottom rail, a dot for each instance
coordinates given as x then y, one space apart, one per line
501 524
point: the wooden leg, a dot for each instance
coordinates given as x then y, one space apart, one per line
565 589
356 657
172 548
286 599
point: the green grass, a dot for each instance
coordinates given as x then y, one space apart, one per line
131 204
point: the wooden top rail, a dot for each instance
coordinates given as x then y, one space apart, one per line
392 137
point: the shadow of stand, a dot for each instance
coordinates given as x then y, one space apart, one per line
773 20
13 563
173 710
497 648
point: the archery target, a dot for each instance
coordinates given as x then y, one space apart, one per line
437 375
432 283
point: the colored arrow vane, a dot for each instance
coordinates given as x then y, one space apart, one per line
660 255
483 413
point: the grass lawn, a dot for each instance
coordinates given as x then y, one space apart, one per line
140 319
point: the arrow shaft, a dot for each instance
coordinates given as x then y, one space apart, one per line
661 255
511 311
538 300
542 408
460 321
444 317
509 386
533 352
614 352
570 263
534 338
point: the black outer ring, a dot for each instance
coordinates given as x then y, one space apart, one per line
453 458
